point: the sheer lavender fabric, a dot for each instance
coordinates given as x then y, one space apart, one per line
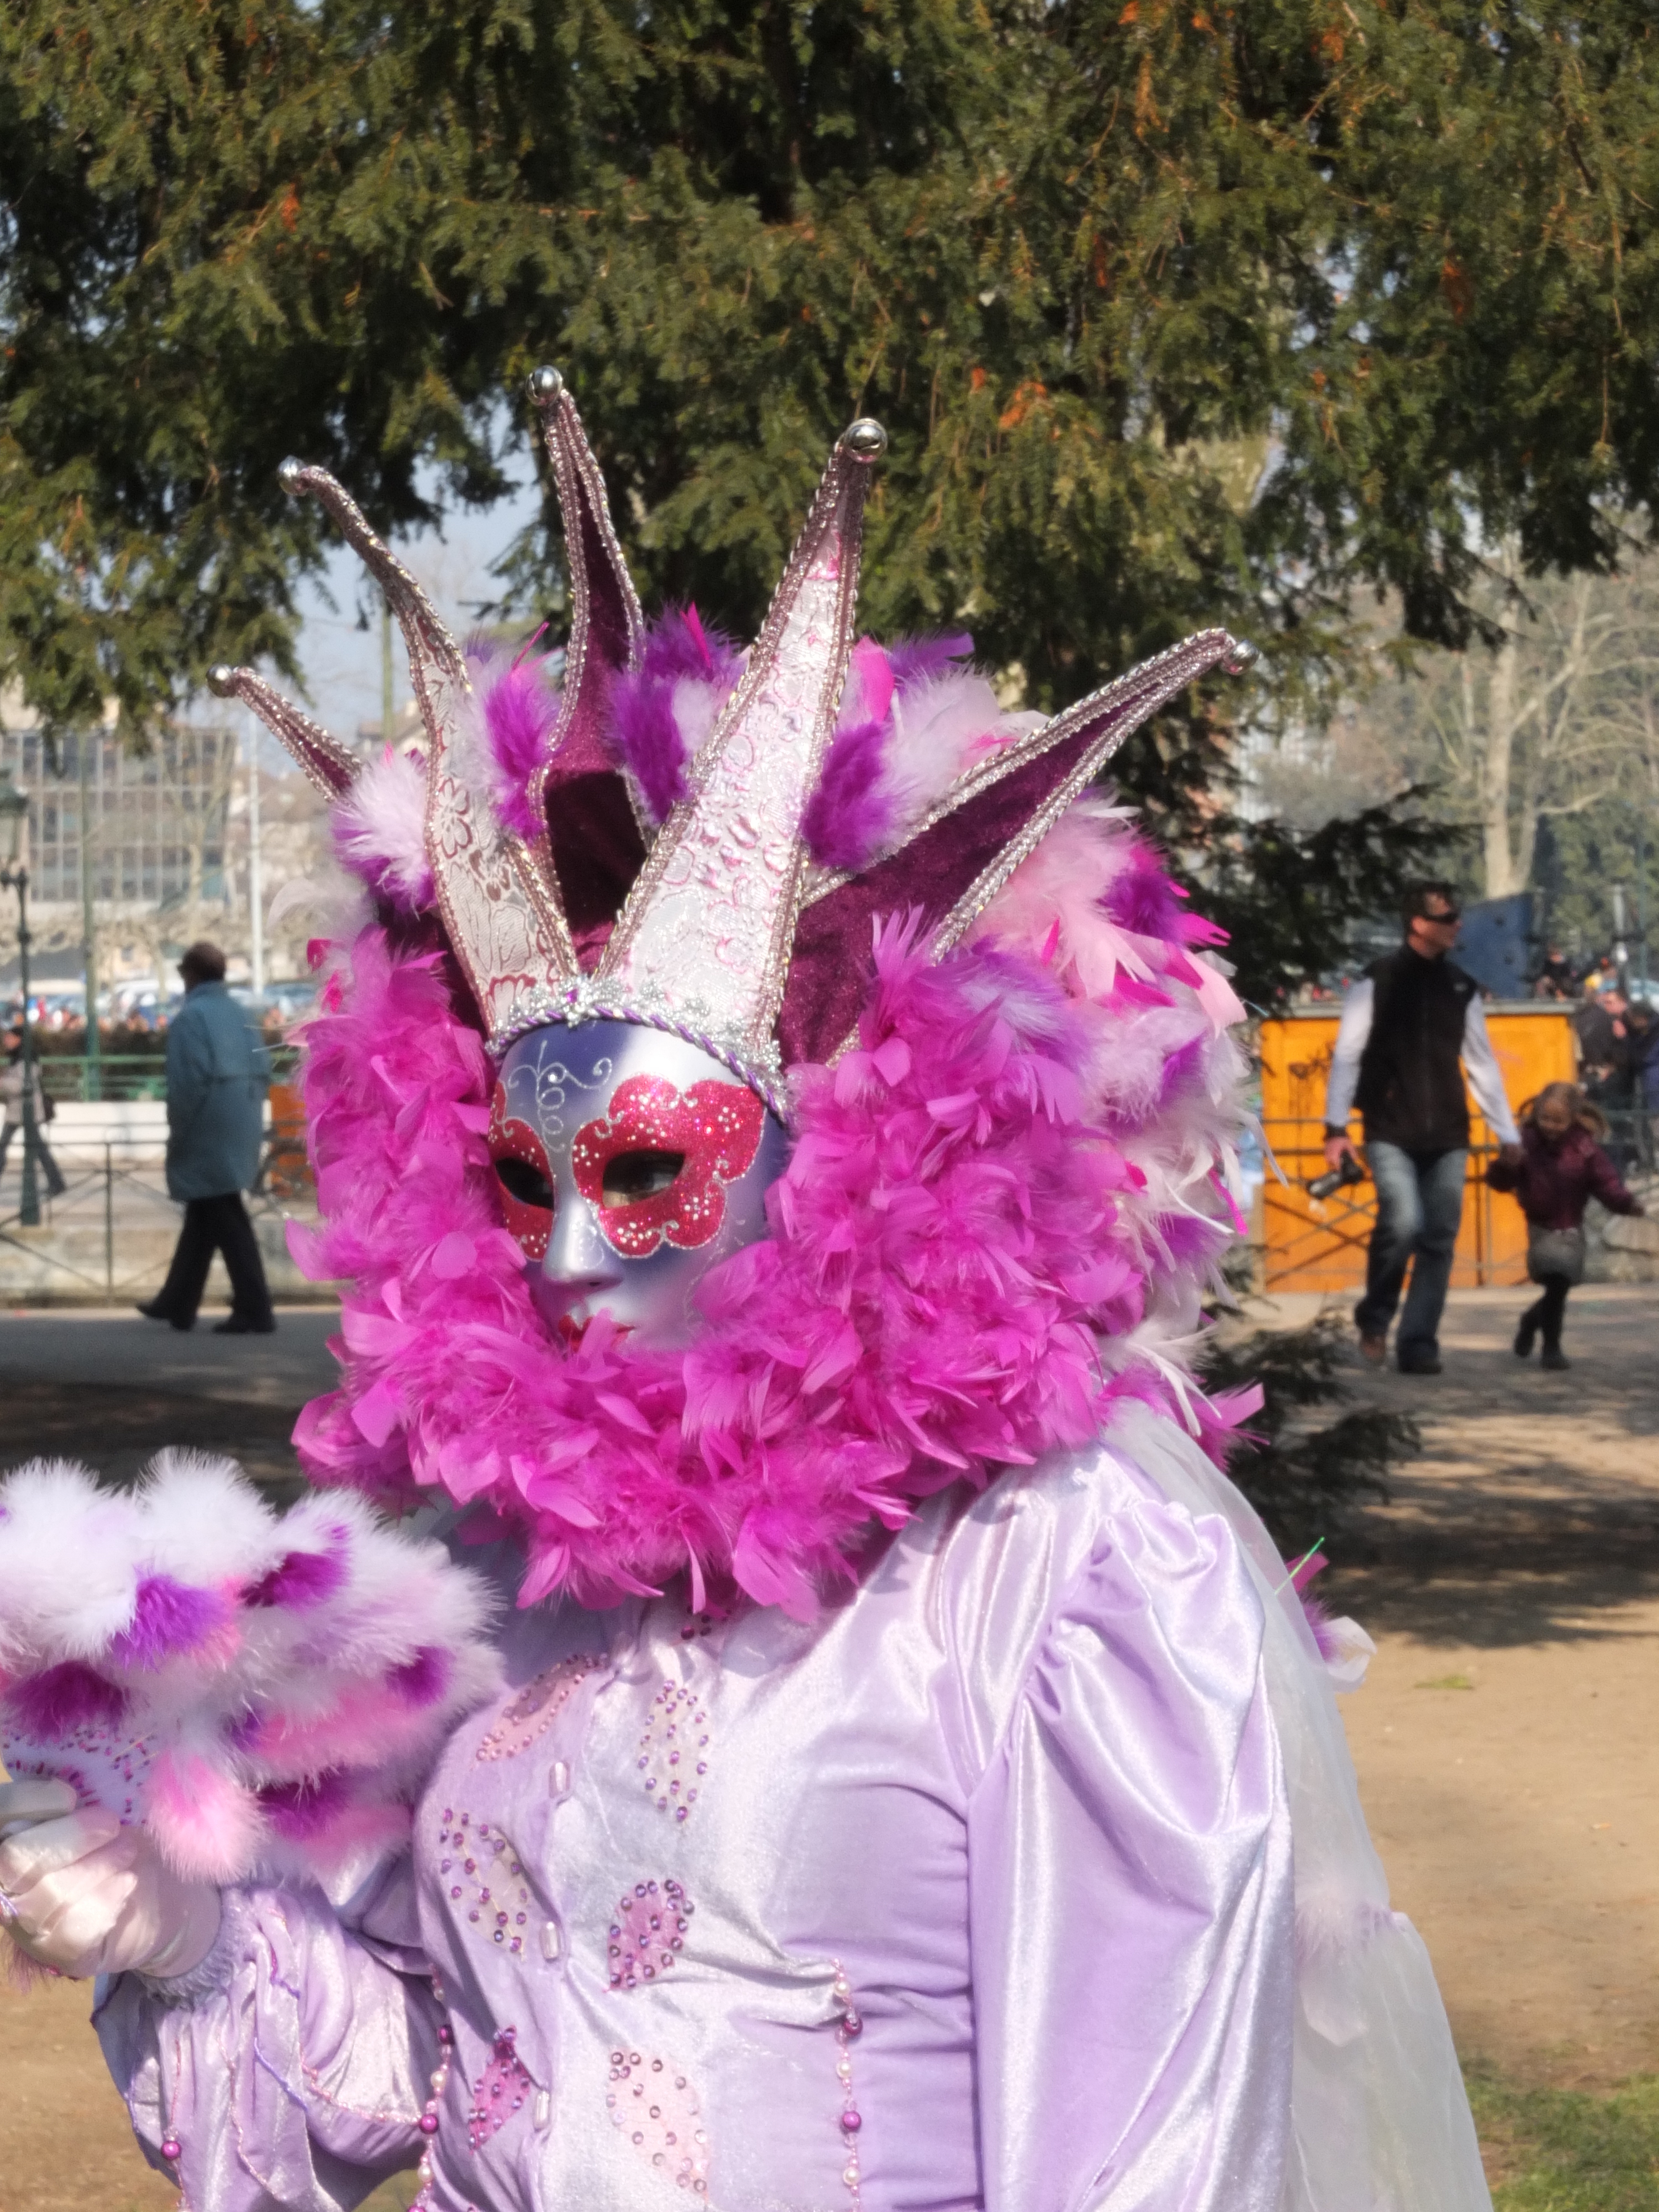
1022 1797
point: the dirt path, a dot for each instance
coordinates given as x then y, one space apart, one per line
1505 1740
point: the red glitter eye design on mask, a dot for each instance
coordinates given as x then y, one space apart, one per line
715 1127
524 1178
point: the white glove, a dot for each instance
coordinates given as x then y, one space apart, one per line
81 1893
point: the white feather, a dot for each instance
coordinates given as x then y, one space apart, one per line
380 824
941 727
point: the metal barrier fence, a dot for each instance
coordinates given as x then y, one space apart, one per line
1321 1244
111 1227
116 1077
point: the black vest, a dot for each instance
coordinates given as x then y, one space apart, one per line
1411 1085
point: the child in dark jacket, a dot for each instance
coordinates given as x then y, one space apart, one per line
1560 1169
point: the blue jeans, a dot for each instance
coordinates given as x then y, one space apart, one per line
1419 1209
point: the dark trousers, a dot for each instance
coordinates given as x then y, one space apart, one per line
215 1225
49 1167
1545 1315
1419 1209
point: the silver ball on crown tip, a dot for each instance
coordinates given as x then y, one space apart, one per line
864 441
1242 657
289 473
221 680
544 384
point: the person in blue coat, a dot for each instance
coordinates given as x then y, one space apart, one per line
217 1073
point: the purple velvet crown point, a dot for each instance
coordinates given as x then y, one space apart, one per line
169 1619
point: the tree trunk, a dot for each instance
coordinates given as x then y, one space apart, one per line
1497 761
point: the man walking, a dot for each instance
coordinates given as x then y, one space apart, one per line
1405 1026
218 1071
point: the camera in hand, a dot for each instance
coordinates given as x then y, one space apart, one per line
1337 1178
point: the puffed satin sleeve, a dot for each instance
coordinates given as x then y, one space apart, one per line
1131 1881
292 2067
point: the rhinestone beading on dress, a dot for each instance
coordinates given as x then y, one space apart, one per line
484 1879
652 2102
504 2088
673 1754
535 1708
648 1933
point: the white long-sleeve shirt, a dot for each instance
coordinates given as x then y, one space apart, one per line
1486 1077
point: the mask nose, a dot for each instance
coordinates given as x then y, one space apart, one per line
578 1265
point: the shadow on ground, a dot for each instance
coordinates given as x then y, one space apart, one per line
1531 1513
117 1430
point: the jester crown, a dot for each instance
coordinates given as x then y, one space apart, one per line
708 908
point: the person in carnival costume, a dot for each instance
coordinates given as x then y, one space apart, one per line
775 1120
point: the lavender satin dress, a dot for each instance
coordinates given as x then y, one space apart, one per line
979 1892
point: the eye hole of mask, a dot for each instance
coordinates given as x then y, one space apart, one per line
525 1182
631 1176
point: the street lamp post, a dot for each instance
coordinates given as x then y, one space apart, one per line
15 877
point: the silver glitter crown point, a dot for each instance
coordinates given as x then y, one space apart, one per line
710 923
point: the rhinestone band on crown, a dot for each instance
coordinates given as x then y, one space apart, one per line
591 1001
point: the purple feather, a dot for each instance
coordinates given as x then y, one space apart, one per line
919 660
1184 1069
242 1735
424 1680
1190 1239
850 815
299 1581
519 712
651 742
1142 898
678 645
169 1619
48 1707
297 1810
1324 1636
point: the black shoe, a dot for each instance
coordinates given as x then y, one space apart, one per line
1524 1336
1419 1362
153 1309
1555 1358
237 1326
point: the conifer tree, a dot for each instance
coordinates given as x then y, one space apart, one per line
1174 313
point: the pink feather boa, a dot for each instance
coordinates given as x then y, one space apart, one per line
963 1250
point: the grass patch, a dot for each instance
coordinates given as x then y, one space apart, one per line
1564 2150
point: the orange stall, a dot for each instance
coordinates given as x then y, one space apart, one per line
1313 1245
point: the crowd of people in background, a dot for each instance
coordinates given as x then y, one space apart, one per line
138 1030
1618 1038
